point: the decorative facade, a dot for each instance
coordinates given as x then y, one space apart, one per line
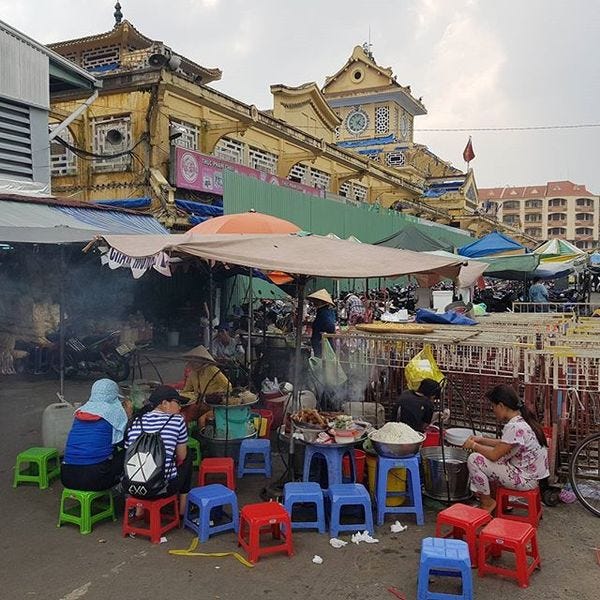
351 140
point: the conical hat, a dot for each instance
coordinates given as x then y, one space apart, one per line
322 295
199 353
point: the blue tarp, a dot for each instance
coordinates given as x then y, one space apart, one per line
126 202
198 209
493 243
439 189
448 318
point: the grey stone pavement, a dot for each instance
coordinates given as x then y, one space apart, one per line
40 560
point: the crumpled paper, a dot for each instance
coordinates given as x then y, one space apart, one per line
337 543
363 536
397 527
317 559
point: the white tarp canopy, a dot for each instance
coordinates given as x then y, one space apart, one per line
296 254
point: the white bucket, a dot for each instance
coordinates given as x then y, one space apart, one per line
173 339
441 299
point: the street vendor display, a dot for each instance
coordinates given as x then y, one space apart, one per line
328 428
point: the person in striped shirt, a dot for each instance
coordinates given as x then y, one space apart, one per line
161 413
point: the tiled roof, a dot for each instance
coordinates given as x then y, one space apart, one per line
552 188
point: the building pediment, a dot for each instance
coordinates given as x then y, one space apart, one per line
305 106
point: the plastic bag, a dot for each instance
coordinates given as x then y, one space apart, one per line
479 309
327 369
422 366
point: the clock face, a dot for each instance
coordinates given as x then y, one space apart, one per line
404 127
357 121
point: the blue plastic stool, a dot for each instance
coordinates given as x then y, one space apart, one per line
349 494
255 446
414 499
447 558
333 457
206 498
309 493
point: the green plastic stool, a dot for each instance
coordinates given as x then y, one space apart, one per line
85 518
43 465
194 446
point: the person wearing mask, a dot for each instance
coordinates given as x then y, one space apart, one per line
538 291
518 460
162 414
324 320
355 309
93 459
416 408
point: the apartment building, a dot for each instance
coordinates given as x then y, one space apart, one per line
557 209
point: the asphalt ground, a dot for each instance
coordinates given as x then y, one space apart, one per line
40 560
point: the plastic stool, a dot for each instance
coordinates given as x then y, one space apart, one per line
204 499
47 462
447 558
412 492
510 536
305 493
530 513
333 457
194 446
153 517
86 517
466 522
256 517
255 446
349 494
220 466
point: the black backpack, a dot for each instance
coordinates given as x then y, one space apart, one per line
145 465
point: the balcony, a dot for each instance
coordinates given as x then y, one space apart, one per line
584 223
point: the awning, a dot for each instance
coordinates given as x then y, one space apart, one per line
492 243
53 222
297 254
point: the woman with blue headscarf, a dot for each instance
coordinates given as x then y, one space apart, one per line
93 460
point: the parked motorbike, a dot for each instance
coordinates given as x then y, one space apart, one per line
95 354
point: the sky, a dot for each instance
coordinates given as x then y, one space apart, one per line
477 64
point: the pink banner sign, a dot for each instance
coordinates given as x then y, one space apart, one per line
204 173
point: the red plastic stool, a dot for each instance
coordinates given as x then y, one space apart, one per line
466 522
153 517
511 536
530 513
254 518
219 466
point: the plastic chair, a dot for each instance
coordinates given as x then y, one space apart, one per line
194 446
88 501
446 558
500 536
300 492
153 517
465 523
252 448
531 512
349 494
42 466
254 518
414 504
217 466
204 500
333 457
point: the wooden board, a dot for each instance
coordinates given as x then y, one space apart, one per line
409 328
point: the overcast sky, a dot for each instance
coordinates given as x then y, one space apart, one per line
476 63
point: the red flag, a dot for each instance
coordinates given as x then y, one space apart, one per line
468 152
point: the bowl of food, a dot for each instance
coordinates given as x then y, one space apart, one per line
396 440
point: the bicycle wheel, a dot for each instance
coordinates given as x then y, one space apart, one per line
584 473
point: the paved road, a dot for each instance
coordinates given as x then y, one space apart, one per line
41 561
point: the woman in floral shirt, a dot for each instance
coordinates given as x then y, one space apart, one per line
516 461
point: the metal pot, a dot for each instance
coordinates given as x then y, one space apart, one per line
434 478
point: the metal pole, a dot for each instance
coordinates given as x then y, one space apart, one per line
250 325
297 369
61 320
210 308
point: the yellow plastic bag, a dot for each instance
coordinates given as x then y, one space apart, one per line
422 366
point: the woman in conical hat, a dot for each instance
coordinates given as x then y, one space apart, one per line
324 321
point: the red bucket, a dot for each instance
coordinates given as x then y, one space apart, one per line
432 437
359 458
